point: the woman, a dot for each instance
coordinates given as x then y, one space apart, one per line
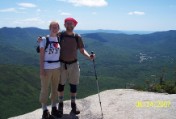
50 70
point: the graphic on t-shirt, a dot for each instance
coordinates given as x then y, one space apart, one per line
55 45
53 48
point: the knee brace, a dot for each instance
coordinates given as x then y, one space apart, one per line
73 88
60 88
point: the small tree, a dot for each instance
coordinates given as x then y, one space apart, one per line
175 76
162 76
148 84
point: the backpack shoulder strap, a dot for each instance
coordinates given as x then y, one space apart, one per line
47 42
58 39
76 37
60 36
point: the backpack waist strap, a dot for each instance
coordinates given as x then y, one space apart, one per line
68 62
52 61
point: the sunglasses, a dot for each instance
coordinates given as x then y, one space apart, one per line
69 24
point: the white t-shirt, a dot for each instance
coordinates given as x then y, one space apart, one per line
52 53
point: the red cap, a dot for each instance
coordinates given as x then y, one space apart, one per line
71 19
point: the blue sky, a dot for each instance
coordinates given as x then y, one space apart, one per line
145 15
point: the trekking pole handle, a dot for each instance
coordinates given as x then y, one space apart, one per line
92 54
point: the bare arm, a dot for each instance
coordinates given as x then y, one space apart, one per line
39 39
85 53
42 54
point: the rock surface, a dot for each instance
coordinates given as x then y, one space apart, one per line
119 104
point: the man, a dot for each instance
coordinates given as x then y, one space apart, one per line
70 43
50 70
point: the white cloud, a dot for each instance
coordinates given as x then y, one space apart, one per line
28 5
65 14
88 3
136 13
21 8
29 22
8 10
13 10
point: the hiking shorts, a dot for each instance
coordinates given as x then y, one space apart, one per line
71 74
51 79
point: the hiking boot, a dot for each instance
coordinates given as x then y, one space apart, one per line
46 115
60 108
75 110
55 112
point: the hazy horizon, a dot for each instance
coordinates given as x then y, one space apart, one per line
91 29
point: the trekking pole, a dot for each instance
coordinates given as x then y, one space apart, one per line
98 89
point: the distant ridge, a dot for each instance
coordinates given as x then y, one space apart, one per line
90 31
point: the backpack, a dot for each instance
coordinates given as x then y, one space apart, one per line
59 38
76 36
47 43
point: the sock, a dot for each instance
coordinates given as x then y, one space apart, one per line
73 98
61 99
44 107
54 104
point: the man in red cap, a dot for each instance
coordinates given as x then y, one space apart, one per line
70 43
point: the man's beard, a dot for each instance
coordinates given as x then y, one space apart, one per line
70 29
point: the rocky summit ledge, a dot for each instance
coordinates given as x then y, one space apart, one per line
119 104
